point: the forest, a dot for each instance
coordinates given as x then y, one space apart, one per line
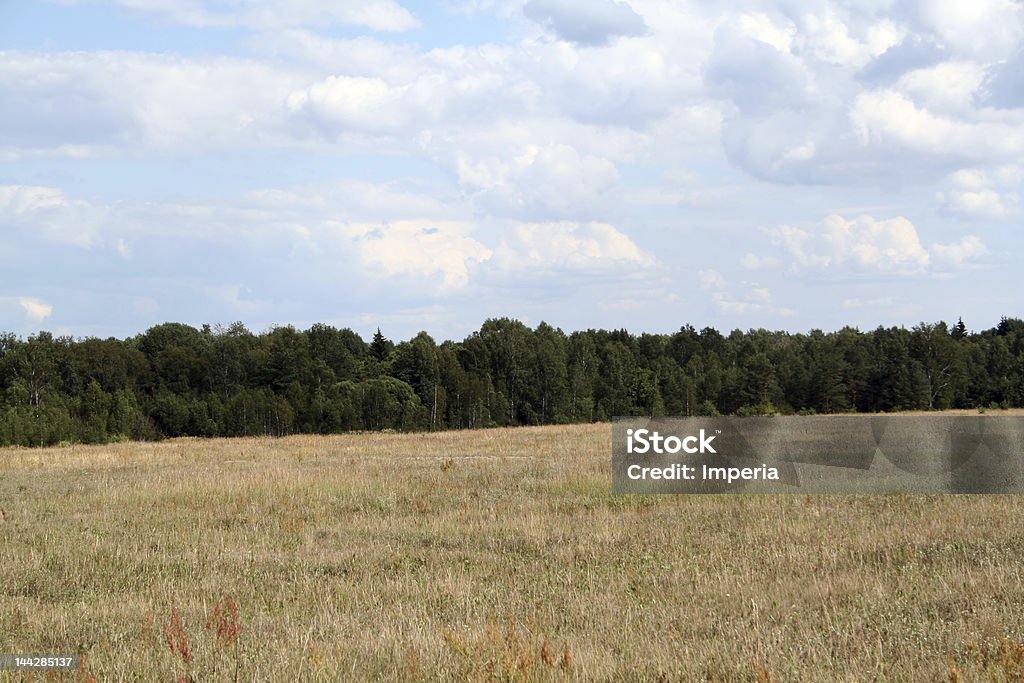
175 380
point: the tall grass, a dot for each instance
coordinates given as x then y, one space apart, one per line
486 555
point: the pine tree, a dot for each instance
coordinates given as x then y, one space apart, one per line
380 347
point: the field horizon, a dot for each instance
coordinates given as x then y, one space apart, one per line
495 554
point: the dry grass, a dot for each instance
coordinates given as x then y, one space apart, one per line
486 555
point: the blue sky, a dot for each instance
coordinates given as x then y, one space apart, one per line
590 163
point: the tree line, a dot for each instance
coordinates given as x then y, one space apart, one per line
176 380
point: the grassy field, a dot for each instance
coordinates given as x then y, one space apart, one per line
486 555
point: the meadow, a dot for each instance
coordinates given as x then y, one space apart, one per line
485 555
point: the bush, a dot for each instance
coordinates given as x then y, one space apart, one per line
707 409
765 408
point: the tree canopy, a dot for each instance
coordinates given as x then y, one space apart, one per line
176 380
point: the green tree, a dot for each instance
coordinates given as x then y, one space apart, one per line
381 347
582 376
415 363
549 374
390 403
94 410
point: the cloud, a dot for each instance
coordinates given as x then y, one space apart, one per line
485 106
755 262
747 298
35 310
291 253
47 211
893 118
587 22
446 256
231 297
982 29
23 199
978 193
633 83
306 234
357 56
983 202
1004 83
344 103
874 303
1009 174
543 146
947 87
956 255
863 93
869 245
379 15
98 103
314 86
546 181
820 93
756 75
913 52
754 300
497 112
570 245
864 243
440 252
710 279
831 40
884 137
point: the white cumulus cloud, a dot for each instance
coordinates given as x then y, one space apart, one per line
977 193
440 252
869 245
891 117
366 104
864 243
35 310
569 245
957 254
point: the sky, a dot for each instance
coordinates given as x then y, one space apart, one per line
786 164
